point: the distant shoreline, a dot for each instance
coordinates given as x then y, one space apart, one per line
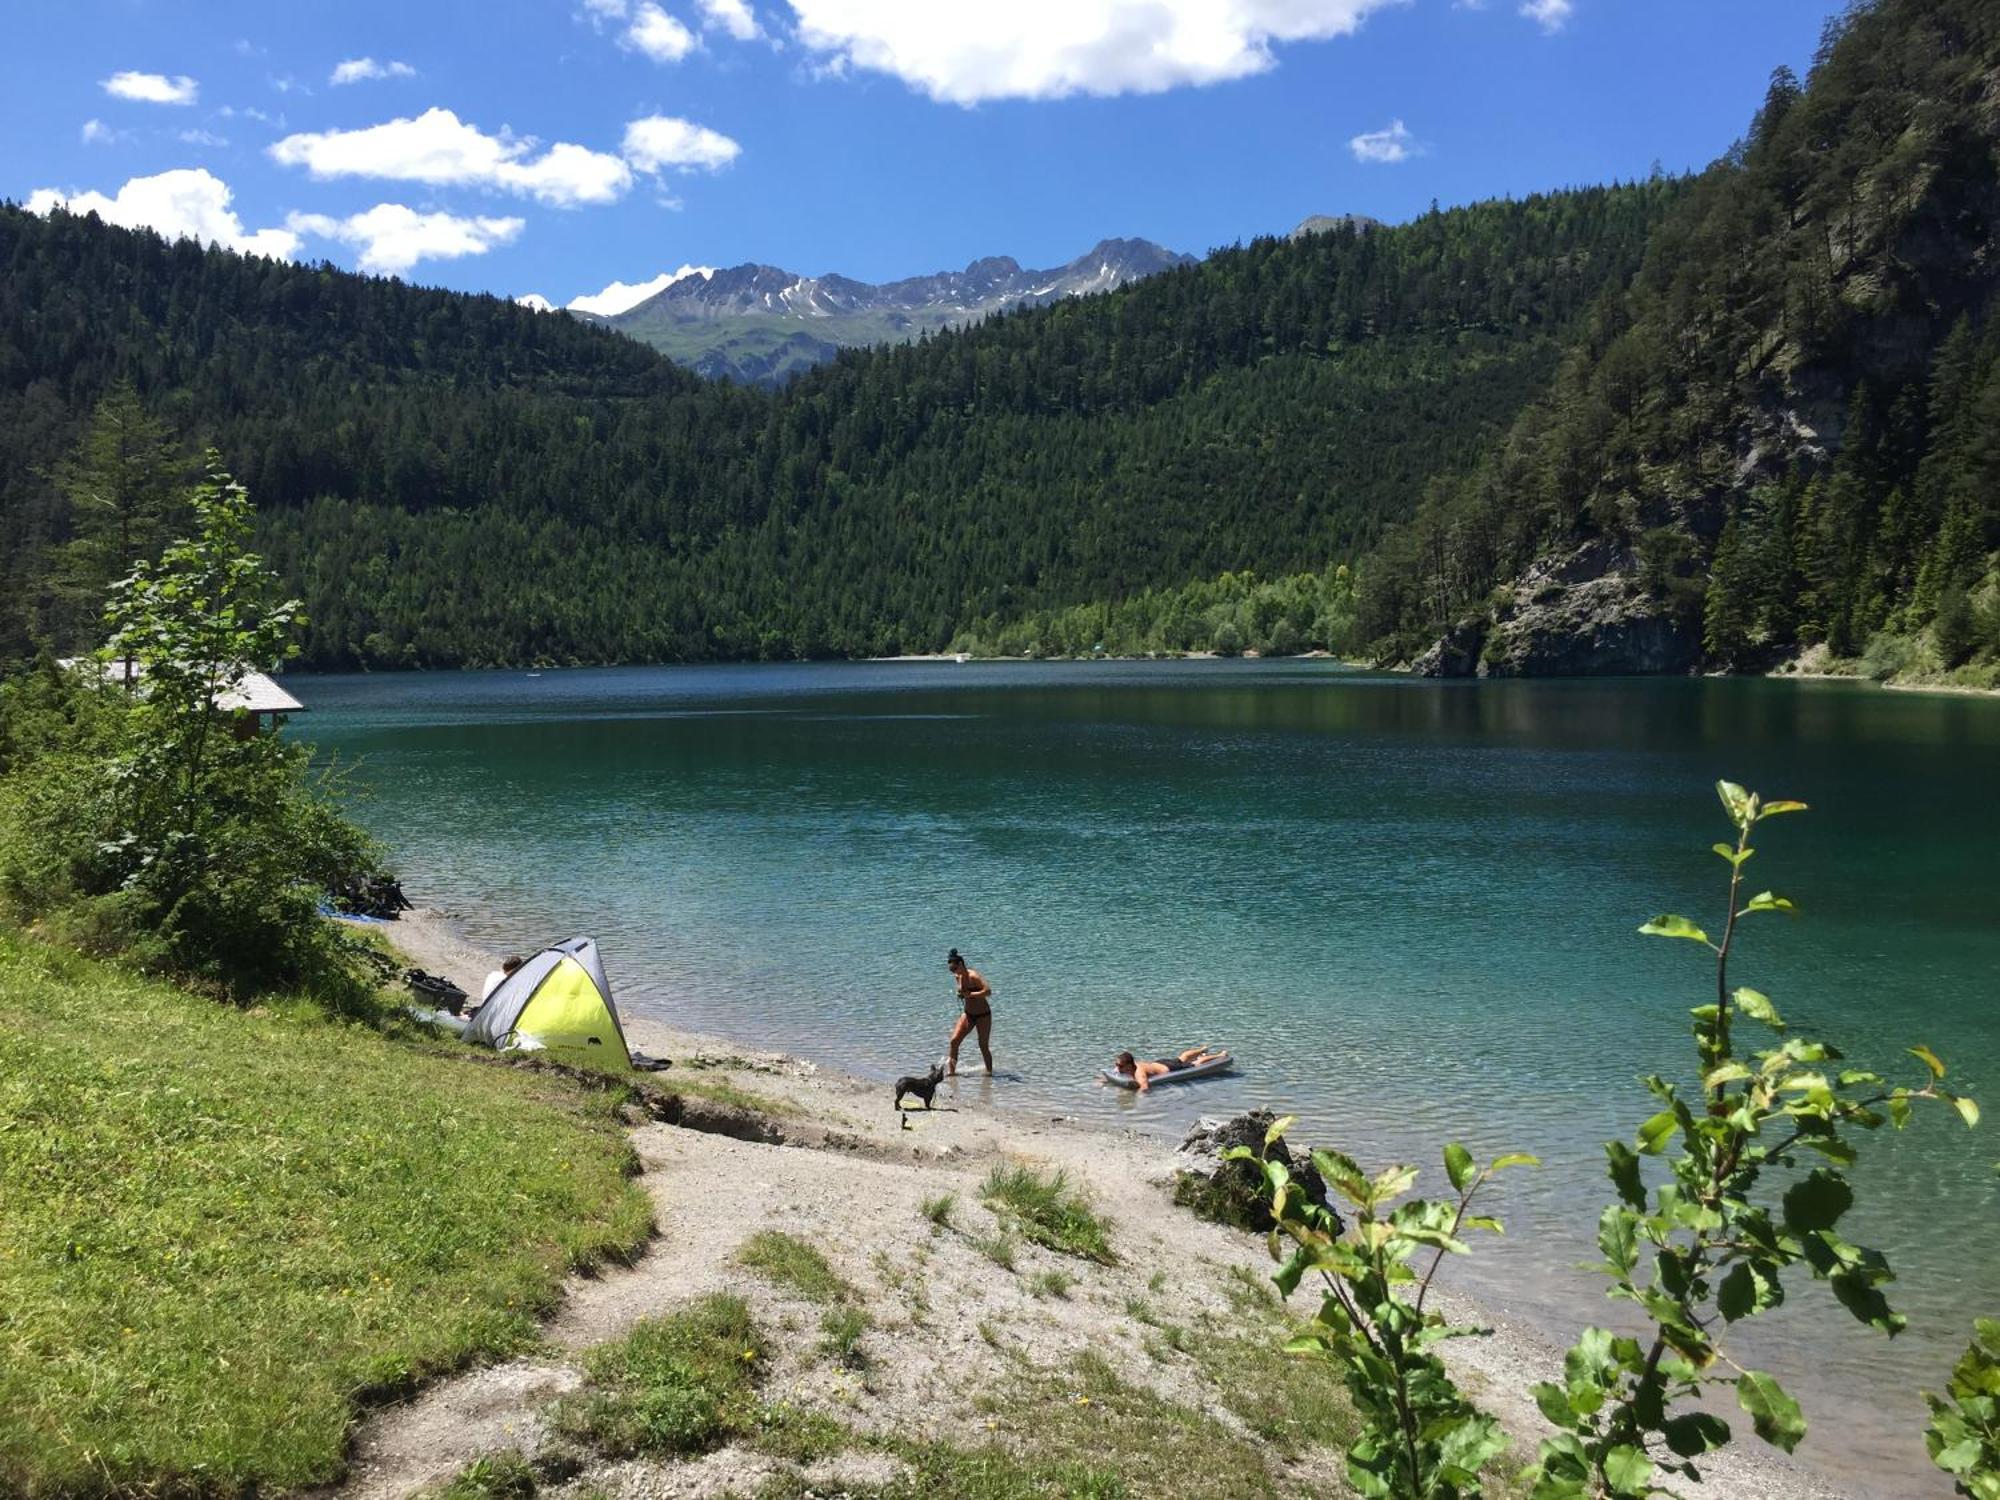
940 658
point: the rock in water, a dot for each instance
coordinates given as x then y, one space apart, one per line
1233 1192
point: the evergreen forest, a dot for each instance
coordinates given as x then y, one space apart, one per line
1737 416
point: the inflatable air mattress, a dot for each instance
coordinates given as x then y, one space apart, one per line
1180 1075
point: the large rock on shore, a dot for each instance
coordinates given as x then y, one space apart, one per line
1233 1192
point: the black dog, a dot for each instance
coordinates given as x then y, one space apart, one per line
922 1088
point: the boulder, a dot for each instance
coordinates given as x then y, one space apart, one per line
1233 1192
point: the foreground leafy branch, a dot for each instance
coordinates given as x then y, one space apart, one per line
1704 1251
1421 1438
1964 1433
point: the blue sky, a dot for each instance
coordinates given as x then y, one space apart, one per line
556 146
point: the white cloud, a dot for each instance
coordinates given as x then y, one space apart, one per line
534 301
97 133
393 238
732 16
1392 143
657 142
658 35
1550 15
1047 49
152 88
185 204
621 296
600 11
230 112
201 138
362 69
440 149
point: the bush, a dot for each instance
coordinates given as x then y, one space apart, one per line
153 824
1889 656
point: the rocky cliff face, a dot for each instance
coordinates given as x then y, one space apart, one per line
1583 613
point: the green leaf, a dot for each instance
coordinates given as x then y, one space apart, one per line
1929 1059
1729 1072
1657 1131
1758 1007
1554 1402
1775 1415
1696 1433
1817 1202
1735 802
1618 1238
1625 1173
1746 1291
1668 925
1773 809
1628 1471
1514 1159
1341 1173
1458 1166
1968 1110
1730 852
1770 901
1278 1128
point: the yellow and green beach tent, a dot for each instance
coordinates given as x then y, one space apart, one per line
557 1000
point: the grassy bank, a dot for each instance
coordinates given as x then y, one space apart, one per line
221 1231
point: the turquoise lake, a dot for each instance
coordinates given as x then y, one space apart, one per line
1408 906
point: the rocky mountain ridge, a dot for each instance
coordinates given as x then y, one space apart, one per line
762 324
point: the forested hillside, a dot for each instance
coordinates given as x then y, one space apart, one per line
453 480
1786 433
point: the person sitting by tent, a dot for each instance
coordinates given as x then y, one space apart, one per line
499 977
1143 1073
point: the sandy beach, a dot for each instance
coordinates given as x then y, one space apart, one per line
838 1168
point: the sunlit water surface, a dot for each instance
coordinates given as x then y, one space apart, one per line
1408 906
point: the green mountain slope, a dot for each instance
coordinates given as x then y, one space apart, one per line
1786 432
452 480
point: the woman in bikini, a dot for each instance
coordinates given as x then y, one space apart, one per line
1143 1073
977 997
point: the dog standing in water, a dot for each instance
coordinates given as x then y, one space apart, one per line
977 997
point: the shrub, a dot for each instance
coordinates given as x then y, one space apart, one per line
1964 1433
143 822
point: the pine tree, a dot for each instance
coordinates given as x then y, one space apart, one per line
120 483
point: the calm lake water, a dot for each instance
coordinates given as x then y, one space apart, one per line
1408 906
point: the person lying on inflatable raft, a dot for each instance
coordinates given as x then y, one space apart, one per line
1144 1073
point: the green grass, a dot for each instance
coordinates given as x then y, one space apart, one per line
1051 1284
224 1229
841 1329
799 1435
786 1260
684 1383
497 1476
1048 1212
998 1248
938 1209
1078 1432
